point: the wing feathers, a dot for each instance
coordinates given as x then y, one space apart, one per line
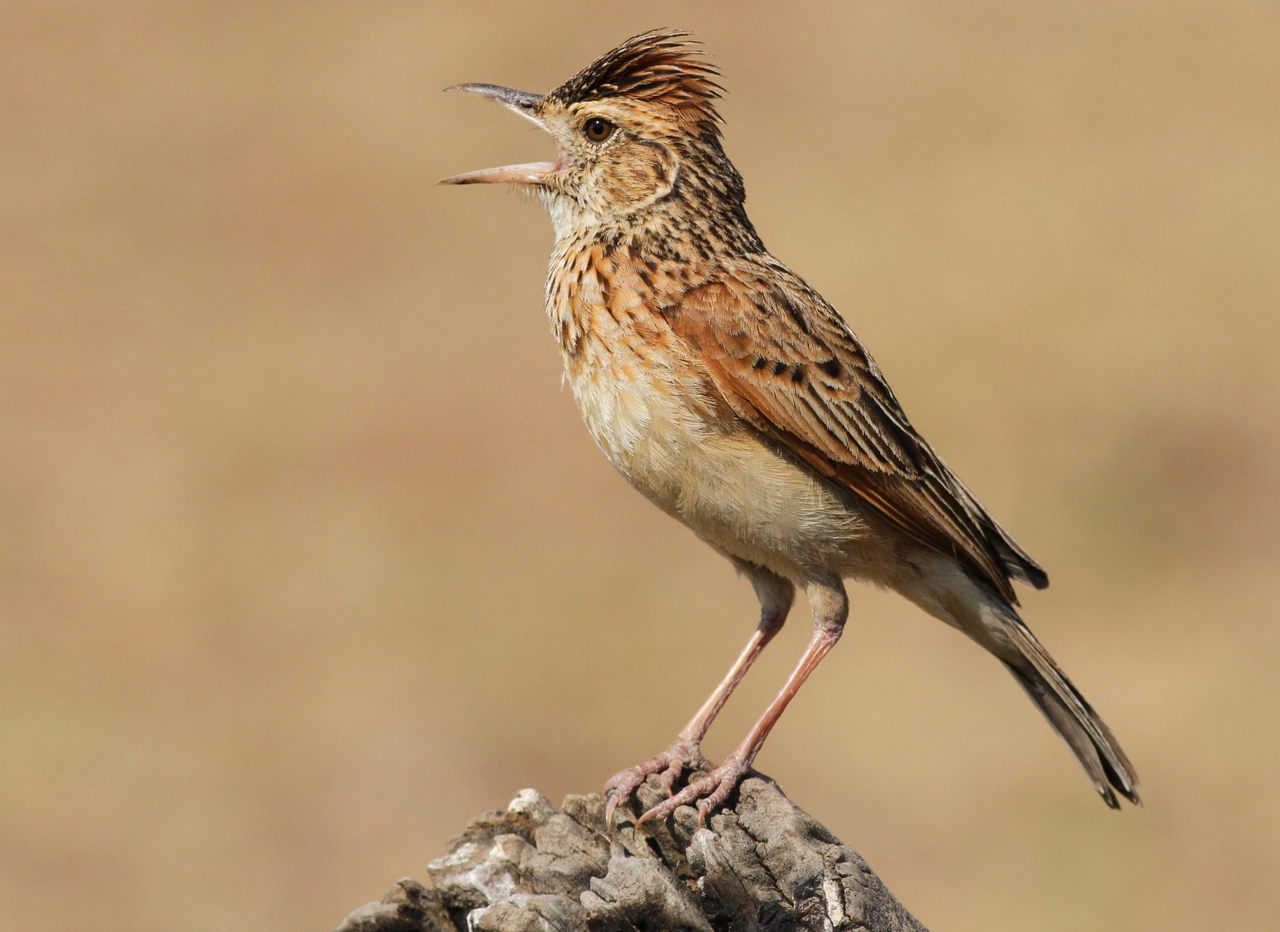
788 364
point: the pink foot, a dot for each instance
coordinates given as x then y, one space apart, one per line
709 791
669 765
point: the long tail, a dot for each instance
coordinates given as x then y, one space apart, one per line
1072 717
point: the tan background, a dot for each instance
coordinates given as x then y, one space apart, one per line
306 557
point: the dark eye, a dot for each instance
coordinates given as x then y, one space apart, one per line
597 129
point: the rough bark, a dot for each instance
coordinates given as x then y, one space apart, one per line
762 864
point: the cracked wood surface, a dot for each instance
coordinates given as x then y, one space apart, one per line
762 864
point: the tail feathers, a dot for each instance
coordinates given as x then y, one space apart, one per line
1018 564
1074 719
1016 561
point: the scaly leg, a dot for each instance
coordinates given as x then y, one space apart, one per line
712 788
775 594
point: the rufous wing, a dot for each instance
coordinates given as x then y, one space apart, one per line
787 364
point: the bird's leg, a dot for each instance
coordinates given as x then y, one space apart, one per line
775 594
712 788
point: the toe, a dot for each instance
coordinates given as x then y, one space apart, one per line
669 776
686 796
715 799
612 802
618 790
623 782
708 792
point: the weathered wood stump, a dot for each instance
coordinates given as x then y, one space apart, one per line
763 864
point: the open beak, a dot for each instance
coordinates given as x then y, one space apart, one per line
523 103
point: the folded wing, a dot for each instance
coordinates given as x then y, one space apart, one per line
788 364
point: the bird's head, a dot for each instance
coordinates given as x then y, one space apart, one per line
637 135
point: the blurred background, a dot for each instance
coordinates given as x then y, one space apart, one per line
306 558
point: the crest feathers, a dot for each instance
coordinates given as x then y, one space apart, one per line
661 66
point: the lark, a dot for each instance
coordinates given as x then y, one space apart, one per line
736 399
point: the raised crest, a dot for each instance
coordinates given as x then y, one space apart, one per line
661 66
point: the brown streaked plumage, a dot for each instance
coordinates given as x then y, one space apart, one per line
735 398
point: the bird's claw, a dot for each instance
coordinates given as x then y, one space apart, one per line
706 792
668 765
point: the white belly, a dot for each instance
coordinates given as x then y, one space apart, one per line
741 495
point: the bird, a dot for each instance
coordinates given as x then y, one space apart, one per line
734 397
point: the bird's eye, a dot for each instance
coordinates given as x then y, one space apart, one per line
597 129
